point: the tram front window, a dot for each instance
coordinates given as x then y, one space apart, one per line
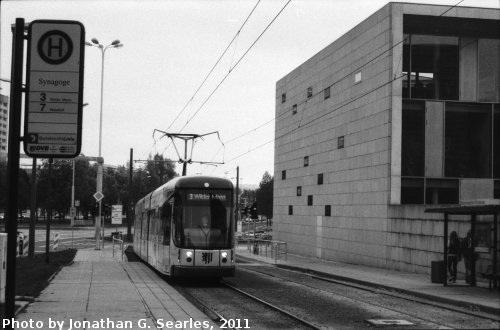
206 221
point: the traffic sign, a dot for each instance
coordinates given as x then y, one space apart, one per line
54 83
98 196
116 214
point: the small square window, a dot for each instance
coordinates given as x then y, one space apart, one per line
299 191
306 161
357 77
283 98
328 210
327 93
340 142
294 109
283 175
290 209
320 178
310 200
309 92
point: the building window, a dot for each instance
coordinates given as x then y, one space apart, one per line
357 77
290 209
441 191
306 161
294 109
299 191
283 175
309 92
496 142
429 191
412 191
327 93
328 210
283 98
310 200
340 142
496 192
320 178
430 67
413 138
468 140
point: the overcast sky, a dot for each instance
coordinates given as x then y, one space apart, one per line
170 47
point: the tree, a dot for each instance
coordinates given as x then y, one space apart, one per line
158 170
264 196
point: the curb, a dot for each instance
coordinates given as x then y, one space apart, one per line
471 308
462 304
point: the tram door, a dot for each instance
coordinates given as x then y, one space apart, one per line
164 236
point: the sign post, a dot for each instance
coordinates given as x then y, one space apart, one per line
54 84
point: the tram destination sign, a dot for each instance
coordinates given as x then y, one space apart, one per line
54 89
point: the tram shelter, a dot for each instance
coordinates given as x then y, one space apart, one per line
474 209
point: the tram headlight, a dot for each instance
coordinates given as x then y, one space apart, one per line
189 256
224 256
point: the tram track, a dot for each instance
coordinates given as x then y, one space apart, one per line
300 320
385 292
258 313
372 291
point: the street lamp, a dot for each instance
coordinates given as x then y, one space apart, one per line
114 44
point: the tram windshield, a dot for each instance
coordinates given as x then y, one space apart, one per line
203 220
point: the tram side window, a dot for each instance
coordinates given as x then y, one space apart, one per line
144 224
151 224
165 217
177 221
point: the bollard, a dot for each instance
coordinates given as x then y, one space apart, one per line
21 246
55 245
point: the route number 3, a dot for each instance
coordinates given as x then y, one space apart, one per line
43 97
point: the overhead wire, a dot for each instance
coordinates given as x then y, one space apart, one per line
235 65
321 91
215 65
211 70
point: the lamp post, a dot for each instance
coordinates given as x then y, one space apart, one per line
114 44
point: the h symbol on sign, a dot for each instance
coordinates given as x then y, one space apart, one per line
59 47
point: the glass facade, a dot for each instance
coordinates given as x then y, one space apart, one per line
450 110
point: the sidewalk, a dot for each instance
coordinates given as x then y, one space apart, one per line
111 295
417 285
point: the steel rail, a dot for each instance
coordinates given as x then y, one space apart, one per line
382 291
307 323
210 312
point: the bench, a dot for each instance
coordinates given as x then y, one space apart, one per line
491 277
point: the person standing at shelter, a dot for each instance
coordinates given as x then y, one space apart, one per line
453 256
467 250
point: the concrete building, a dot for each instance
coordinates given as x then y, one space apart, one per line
399 114
4 125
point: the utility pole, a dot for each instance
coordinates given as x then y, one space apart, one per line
49 212
130 202
31 236
16 91
237 193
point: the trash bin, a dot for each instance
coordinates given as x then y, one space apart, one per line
437 272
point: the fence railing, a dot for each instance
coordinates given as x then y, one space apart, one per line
276 250
119 243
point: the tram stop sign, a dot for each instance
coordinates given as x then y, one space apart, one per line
54 83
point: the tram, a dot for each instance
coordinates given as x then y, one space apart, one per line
185 228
